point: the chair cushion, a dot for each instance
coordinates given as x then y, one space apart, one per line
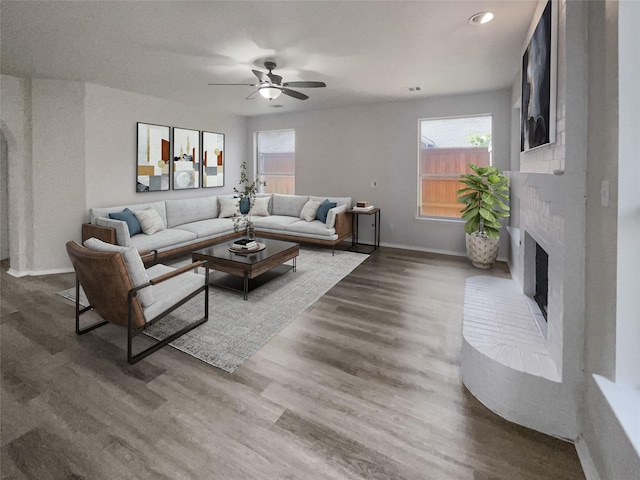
132 221
228 207
134 265
309 210
273 222
169 292
150 221
324 209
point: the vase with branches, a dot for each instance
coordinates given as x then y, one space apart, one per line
246 199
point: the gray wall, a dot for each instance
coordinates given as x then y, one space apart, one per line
72 146
340 151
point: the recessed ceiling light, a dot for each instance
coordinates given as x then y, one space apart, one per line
481 18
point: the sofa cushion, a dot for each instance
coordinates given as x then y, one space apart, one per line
190 210
150 221
331 215
165 238
273 222
309 210
122 230
228 207
134 264
324 208
338 200
105 211
207 228
315 227
132 221
289 205
260 206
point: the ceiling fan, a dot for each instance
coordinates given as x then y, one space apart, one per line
270 85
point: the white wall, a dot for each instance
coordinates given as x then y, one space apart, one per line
15 114
57 169
339 151
611 274
72 146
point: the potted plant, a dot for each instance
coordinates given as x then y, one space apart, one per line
484 197
246 199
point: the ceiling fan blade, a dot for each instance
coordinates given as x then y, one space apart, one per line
294 94
263 77
243 84
304 84
277 79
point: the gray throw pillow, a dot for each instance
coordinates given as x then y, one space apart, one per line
309 211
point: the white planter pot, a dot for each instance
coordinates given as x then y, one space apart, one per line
482 251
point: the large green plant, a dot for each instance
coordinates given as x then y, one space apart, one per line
484 195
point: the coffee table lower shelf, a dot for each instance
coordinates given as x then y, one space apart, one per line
245 284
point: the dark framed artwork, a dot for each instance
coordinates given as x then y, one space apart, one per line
186 159
152 158
539 63
212 159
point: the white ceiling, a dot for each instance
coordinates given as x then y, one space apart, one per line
365 51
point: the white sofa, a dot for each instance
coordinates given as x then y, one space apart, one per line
191 224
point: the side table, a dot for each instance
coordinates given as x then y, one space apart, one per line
355 244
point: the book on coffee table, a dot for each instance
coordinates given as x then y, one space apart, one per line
245 244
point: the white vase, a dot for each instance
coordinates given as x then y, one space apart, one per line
482 251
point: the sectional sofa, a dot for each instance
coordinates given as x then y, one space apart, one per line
185 225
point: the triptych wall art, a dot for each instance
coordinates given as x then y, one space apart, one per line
193 159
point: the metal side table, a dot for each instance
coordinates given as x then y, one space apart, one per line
356 246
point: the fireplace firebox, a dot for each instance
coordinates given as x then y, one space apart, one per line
542 279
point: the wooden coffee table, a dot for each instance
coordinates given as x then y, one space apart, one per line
247 271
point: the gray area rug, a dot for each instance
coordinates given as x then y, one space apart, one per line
237 328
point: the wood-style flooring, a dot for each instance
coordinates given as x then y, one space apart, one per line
364 385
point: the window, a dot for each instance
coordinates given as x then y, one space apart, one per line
446 146
276 160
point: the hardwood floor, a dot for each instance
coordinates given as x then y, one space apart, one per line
364 385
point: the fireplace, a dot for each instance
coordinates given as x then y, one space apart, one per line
542 280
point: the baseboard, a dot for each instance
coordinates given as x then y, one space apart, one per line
36 273
433 250
422 249
588 467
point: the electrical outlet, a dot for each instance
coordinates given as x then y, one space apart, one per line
374 184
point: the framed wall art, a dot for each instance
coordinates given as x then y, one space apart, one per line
186 158
539 77
212 159
152 158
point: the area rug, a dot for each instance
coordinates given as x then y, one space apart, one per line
238 328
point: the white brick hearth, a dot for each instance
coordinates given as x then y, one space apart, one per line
499 322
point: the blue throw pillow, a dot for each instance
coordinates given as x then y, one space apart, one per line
324 209
132 222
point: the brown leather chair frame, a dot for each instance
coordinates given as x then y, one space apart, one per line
111 294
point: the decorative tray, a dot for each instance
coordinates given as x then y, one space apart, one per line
261 246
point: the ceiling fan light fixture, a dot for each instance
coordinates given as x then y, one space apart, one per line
270 93
481 18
